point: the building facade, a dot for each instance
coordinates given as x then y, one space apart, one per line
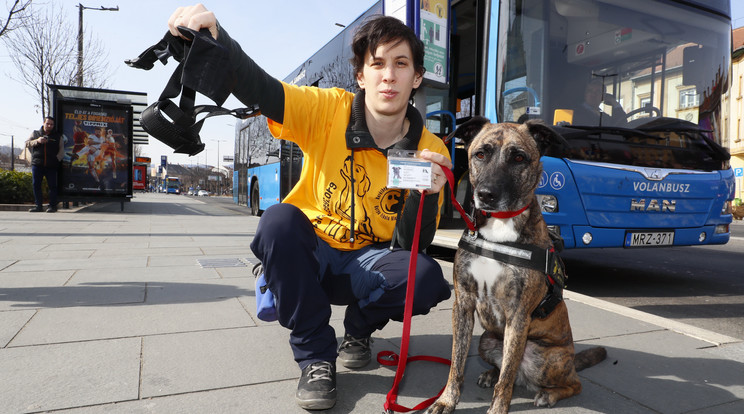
736 100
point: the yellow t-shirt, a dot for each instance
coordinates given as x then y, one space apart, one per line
316 120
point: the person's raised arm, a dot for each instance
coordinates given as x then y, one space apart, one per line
254 85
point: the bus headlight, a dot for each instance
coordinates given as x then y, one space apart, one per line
722 229
726 208
548 203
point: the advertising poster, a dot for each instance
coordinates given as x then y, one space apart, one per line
140 177
98 149
434 33
139 181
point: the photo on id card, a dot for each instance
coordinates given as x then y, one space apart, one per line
406 170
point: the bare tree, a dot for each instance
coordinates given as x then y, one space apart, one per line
44 51
15 16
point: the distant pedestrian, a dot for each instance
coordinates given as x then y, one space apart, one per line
47 149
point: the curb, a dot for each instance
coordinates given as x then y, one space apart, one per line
711 337
26 207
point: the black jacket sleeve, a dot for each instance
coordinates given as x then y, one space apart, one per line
254 85
406 226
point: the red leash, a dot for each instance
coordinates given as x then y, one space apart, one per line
451 180
390 358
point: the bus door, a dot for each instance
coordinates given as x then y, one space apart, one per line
290 156
448 106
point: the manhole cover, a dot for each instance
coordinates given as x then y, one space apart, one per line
229 262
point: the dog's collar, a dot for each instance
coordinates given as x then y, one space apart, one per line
546 261
504 214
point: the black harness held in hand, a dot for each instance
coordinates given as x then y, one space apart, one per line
205 67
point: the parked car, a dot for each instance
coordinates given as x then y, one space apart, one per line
203 193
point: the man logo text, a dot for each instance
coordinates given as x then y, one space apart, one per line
653 205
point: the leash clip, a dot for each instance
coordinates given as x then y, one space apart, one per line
249 112
472 235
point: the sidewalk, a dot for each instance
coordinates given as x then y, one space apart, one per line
152 310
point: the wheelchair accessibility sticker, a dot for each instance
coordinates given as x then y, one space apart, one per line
557 180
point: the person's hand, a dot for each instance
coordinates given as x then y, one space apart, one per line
438 162
610 100
42 140
194 17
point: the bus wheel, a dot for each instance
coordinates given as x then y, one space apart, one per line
255 210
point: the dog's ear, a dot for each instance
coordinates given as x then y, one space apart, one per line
544 135
470 129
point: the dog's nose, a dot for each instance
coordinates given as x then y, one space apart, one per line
485 195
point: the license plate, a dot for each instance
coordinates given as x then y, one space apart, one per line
649 238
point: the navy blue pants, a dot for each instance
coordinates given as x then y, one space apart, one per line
38 173
307 276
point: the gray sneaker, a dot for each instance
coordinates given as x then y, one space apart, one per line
354 352
317 387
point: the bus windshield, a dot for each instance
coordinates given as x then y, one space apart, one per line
630 82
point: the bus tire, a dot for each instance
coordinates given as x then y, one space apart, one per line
255 209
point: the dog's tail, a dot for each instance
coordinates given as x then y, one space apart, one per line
589 357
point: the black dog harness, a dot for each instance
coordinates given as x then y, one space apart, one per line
205 67
524 255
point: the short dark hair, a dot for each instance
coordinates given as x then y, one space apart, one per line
50 117
380 30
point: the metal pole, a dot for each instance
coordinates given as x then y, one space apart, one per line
79 75
12 154
219 165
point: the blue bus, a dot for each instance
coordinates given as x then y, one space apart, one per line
645 164
172 185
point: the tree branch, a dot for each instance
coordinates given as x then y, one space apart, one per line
17 12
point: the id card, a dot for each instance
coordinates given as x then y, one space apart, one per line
406 170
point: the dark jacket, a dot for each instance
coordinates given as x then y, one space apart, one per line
48 154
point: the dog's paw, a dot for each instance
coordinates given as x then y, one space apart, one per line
543 399
440 408
488 378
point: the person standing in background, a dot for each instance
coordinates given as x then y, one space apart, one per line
47 149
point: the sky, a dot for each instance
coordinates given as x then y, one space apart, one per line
278 34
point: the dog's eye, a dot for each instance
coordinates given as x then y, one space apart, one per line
518 157
480 155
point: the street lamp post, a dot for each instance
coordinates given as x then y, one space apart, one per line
79 75
219 164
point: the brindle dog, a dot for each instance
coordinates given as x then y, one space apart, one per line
538 353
